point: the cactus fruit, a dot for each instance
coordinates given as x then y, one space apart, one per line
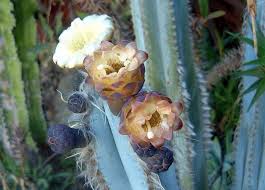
78 102
62 138
150 117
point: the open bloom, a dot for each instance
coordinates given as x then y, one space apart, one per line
82 38
116 71
150 117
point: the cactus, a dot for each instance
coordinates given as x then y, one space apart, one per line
15 137
162 30
170 70
25 36
12 75
230 63
171 49
249 136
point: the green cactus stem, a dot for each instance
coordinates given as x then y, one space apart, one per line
12 74
25 36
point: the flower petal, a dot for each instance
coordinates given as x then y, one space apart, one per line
157 142
106 46
82 38
141 56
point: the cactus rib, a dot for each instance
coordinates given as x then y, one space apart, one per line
25 36
13 71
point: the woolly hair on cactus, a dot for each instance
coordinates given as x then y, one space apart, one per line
250 135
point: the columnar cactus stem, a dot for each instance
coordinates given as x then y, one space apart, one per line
162 29
250 134
11 135
13 73
25 35
138 177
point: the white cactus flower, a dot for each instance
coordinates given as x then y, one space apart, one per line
82 38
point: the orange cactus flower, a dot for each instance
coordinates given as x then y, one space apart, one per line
150 117
116 71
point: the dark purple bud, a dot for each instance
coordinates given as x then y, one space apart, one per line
144 151
62 138
161 161
78 102
157 159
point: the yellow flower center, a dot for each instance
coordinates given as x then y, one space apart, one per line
80 39
78 44
154 121
113 65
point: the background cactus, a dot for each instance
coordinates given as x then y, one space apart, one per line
13 72
15 136
18 169
249 136
25 37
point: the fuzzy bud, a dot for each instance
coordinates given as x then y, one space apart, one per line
157 159
77 103
62 138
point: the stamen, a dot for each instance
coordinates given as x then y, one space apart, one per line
164 124
115 64
150 133
155 119
108 67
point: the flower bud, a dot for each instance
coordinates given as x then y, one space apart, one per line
157 159
62 138
78 102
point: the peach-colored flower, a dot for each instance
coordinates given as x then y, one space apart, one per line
116 71
150 117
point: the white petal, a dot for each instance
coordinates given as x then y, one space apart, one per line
82 38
